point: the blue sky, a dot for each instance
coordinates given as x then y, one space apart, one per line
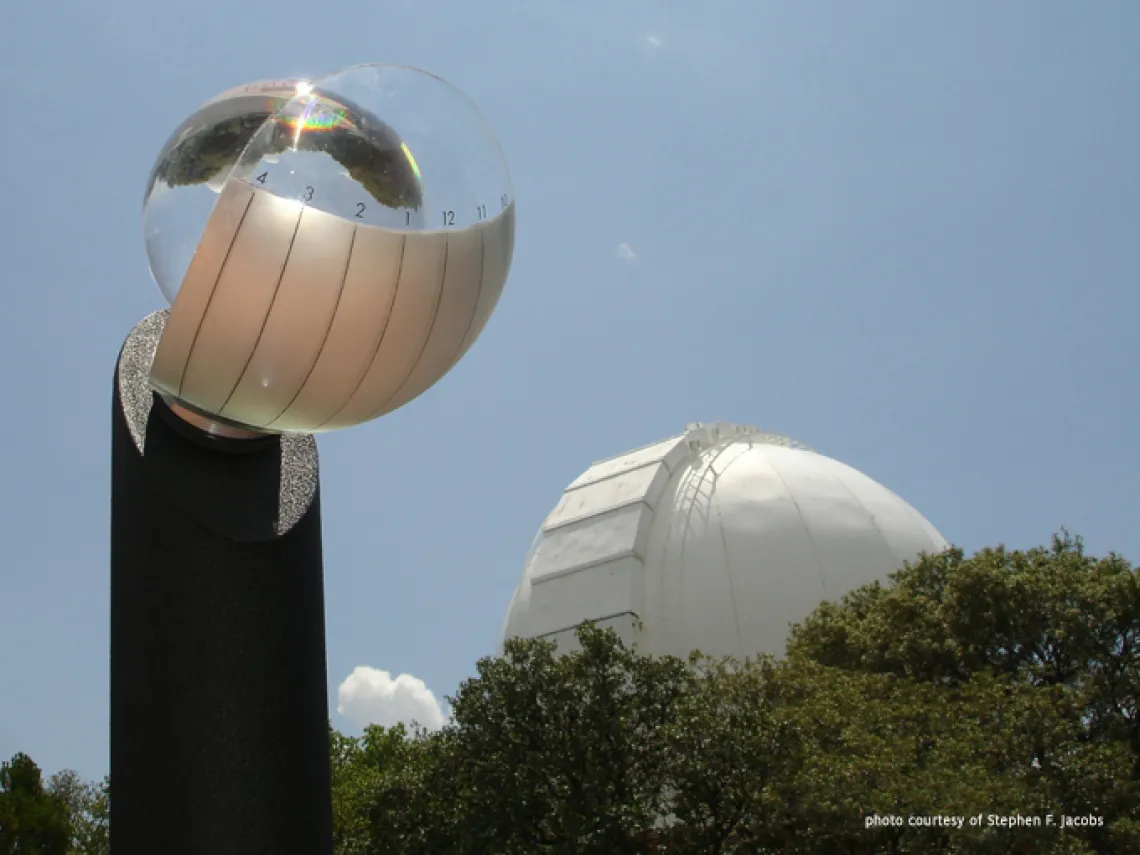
904 233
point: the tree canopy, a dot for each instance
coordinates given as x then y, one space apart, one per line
33 820
1001 685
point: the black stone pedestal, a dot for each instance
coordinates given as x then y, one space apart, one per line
219 704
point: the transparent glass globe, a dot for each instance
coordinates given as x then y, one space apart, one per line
329 248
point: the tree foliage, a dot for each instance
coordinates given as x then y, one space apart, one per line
88 809
1056 629
998 685
33 820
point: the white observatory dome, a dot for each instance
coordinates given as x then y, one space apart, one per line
715 540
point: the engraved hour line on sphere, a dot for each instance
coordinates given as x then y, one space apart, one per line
431 328
478 296
210 299
380 340
328 330
265 320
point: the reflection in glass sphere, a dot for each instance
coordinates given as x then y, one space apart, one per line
330 249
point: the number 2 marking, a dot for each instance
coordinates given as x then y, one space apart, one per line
359 210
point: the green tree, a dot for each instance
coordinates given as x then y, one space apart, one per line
557 754
79 797
1003 684
1043 648
33 820
370 768
419 804
92 829
729 747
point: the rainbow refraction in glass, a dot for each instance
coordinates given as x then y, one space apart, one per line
319 114
411 161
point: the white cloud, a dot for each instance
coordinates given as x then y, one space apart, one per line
654 40
625 252
370 696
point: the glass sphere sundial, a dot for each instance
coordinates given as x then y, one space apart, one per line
329 248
